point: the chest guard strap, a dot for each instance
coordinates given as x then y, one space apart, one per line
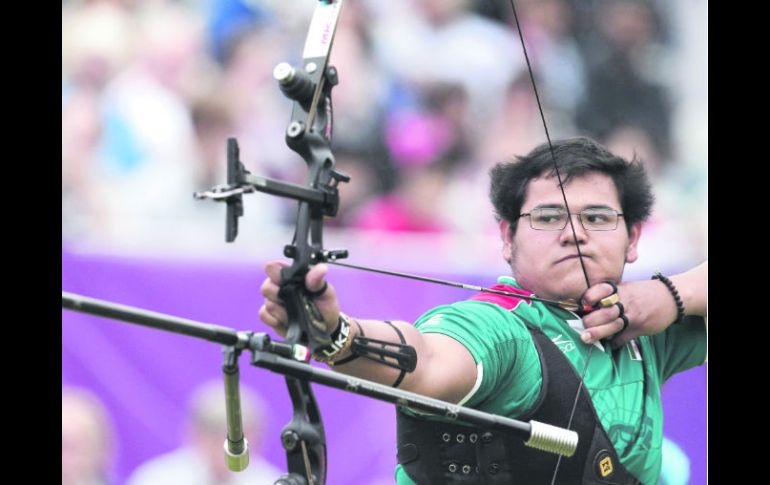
433 451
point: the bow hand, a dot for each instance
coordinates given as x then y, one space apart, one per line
323 308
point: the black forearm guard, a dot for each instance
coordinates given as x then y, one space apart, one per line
399 356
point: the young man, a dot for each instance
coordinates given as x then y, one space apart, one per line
524 359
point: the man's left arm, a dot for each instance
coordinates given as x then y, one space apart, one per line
693 287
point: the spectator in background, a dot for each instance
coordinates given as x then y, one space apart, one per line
360 98
258 110
676 229
258 113
200 460
556 58
442 41
426 144
226 19
86 439
511 131
82 127
213 124
370 174
411 206
148 157
97 42
623 80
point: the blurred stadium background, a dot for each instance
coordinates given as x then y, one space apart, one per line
431 94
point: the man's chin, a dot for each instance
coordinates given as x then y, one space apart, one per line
568 289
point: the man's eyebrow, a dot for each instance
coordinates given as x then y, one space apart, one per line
549 206
598 206
561 206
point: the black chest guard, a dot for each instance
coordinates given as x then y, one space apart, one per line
438 453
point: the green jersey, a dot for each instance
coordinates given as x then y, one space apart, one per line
624 385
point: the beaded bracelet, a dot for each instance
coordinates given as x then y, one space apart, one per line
674 293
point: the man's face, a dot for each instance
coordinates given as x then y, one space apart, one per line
546 262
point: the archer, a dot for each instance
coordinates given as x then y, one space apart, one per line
498 353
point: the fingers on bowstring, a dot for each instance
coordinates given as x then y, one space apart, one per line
604 323
601 332
596 293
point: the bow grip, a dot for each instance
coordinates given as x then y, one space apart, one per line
306 323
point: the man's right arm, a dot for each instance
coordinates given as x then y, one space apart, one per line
445 368
649 305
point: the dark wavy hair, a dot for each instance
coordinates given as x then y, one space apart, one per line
574 157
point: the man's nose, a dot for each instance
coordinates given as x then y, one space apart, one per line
567 237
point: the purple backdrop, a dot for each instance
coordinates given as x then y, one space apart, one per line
145 376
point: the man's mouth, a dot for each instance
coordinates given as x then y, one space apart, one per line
570 257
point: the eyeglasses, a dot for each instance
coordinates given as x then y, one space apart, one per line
555 219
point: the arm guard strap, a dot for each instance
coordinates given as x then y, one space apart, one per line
399 356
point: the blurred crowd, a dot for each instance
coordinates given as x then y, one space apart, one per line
90 445
432 93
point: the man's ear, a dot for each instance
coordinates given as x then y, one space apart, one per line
507 237
632 253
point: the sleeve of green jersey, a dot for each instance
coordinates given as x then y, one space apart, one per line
490 333
682 346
